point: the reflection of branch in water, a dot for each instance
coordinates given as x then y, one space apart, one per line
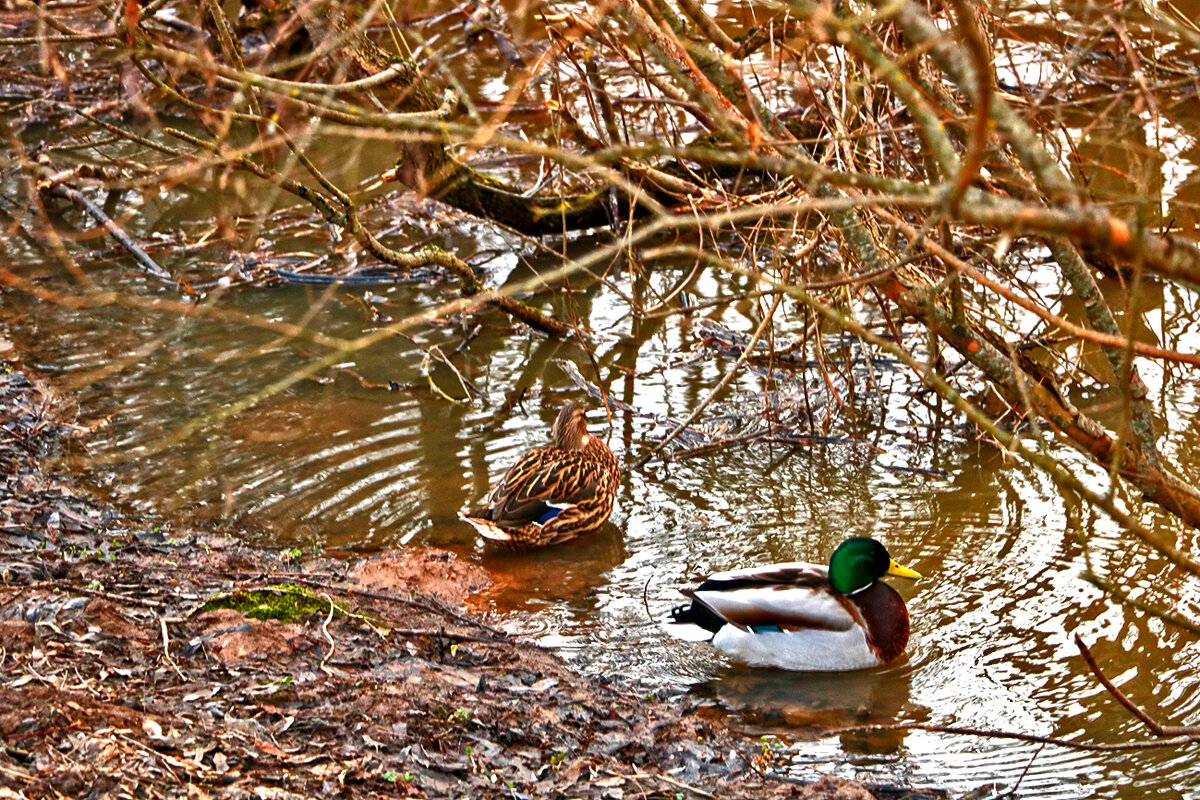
1114 747
794 439
725 341
1155 727
1123 596
699 442
716 390
1168 735
693 435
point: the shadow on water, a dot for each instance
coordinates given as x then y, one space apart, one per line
765 702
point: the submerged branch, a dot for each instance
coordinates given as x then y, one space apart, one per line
55 185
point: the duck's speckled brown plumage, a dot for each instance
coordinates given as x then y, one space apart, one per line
553 493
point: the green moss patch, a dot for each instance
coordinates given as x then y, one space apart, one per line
284 602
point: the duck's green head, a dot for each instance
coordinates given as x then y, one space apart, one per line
860 561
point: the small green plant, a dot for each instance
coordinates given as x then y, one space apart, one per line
459 715
391 776
294 554
557 759
95 585
771 750
284 680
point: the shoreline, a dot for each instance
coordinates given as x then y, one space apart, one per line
140 661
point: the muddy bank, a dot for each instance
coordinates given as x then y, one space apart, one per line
143 661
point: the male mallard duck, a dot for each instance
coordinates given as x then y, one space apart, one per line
803 616
553 493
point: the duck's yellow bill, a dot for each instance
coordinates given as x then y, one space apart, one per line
902 572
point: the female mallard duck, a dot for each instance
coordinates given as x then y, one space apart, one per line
803 616
553 493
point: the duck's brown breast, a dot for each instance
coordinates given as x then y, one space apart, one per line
886 619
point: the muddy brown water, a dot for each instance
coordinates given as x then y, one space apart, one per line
340 462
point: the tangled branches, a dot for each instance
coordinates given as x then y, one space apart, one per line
857 159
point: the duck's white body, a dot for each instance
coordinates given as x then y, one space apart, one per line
806 651
789 616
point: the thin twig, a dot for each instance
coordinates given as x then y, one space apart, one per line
1116 747
325 633
1155 727
166 645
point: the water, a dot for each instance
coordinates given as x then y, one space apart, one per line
365 456
331 463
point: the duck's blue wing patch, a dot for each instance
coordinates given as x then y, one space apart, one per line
550 513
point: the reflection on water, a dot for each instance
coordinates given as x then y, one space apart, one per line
336 462
771 701
557 575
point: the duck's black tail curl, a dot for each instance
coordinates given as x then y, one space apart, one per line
698 614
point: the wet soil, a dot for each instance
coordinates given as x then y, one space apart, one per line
121 677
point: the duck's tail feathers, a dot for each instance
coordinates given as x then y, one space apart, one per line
487 529
693 622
